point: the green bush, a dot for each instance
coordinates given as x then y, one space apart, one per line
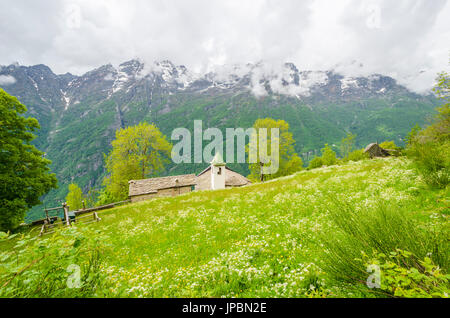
328 156
399 278
394 149
432 160
382 229
316 162
357 155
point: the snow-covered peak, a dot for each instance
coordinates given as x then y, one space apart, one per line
259 78
348 83
285 80
171 74
132 67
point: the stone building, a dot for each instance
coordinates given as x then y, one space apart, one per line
216 176
145 189
374 150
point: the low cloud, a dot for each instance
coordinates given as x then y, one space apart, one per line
7 80
406 39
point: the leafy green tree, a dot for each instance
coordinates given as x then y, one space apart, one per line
439 131
411 138
289 162
328 156
138 152
104 197
429 148
91 198
347 144
24 172
75 197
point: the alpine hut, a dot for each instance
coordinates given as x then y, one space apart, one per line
374 150
145 189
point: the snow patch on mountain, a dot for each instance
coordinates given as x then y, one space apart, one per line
348 83
66 99
121 79
34 83
109 77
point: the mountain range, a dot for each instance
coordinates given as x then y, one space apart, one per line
79 115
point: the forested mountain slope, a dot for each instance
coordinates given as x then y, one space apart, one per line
80 114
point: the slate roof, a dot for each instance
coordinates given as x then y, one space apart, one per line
231 180
152 185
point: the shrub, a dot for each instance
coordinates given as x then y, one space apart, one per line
357 155
390 145
401 279
432 160
371 231
328 156
315 162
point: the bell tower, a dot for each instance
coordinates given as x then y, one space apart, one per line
217 172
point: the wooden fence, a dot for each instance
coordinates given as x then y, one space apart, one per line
49 222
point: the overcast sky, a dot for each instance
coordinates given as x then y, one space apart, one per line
406 39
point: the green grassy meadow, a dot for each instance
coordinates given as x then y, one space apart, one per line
265 240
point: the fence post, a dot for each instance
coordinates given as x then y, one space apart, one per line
46 214
66 213
42 230
261 165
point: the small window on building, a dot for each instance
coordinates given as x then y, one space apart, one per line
220 171
192 187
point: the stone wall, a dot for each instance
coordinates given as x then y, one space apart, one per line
169 192
204 181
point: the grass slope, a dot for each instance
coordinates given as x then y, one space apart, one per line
263 240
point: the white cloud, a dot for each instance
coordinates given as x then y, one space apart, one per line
109 77
7 80
407 39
